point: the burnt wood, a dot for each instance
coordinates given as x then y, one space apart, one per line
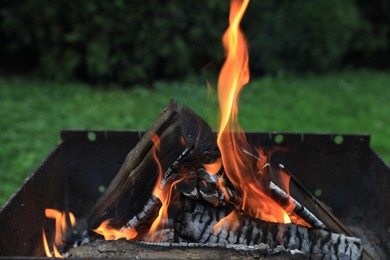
185 138
197 220
203 186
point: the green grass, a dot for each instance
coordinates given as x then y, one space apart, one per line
33 112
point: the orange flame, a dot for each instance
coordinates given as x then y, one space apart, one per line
214 167
162 218
110 233
157 188
251 180
229 222
162 191
61 227
235 71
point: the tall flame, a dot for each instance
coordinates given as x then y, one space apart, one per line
235 71
246 177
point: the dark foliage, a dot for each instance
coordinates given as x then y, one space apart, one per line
135 41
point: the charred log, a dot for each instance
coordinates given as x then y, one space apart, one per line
184 137
143 220
203 186
197 220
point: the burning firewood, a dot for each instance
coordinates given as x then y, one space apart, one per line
229 195
195 171
198 222
204 186
184 138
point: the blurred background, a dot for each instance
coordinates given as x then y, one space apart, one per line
316 66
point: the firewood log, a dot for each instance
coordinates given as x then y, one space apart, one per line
184 137
197 220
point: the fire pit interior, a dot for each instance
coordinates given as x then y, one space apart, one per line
348 177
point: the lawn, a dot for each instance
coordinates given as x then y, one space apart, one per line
33 112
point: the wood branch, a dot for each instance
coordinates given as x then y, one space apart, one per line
203 186
197 220
136 250
144 219
280 195
185 138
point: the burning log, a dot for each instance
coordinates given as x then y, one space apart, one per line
198 220
184 138
204 186
134 201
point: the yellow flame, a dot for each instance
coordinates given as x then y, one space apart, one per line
235 71
61 228
159 222
45 244
250 180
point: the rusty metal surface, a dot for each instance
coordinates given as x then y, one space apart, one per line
348 176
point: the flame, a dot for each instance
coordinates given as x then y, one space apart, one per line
110 233
250 179
61 227
162 191
159 193
213 168
229 222
159 222
157 188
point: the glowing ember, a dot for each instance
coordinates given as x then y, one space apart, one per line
61 227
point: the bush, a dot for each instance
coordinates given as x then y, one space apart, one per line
300 35
142 41
371 44
118 40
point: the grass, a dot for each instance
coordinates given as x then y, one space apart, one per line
33 112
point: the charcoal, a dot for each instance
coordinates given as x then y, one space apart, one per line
197 220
